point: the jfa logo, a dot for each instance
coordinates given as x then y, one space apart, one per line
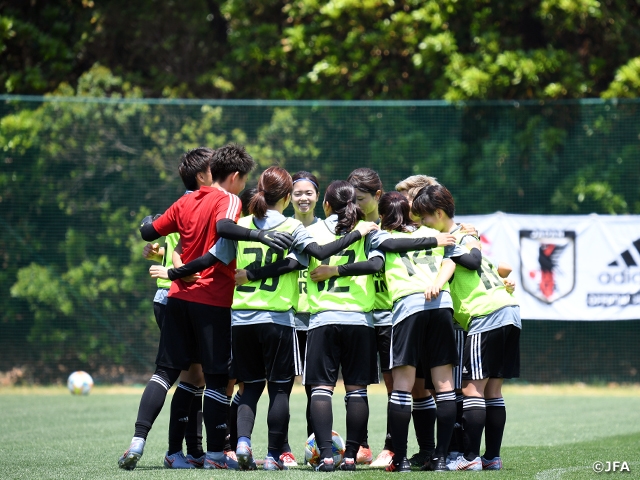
548 263
606 467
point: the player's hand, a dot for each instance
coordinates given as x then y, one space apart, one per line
241 277
445 239
366 227
470 229
431 293
279 241
509 284
151 251
158 271
323 272
191 278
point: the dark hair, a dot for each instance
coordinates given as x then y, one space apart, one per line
309 177
245 197
394 210
193 162
230 159
431 198
365 180
274 183
341 197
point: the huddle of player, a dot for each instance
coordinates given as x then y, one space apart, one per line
385 276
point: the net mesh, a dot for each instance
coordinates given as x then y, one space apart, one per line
78 174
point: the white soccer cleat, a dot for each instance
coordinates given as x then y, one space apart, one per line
463 464
130 457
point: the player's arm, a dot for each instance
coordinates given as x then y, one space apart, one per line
367 267
322 252
400 245
470 260
153 252
272 270
147 230
504 269
446 271
230 230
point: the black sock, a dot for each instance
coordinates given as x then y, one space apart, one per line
494 427
357 405
307 391
457 441
388 444
278 415
233 421
424 422
446 419
179 417
215 410
153 399
247 408
399 416
473 419
322 420
193 433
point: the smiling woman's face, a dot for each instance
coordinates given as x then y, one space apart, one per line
304 196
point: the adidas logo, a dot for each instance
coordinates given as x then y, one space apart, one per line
629 258
184 419
221 426
464 370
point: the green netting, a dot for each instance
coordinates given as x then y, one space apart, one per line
77 174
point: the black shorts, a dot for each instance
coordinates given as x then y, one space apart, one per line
460 336
159 310
425 336
265 351
302 345
492 354
352 347
383 343
195 333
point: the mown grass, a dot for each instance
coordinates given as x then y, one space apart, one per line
552 432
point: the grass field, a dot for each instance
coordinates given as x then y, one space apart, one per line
553 432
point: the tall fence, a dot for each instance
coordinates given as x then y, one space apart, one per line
77 174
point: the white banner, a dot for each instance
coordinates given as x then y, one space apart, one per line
582 267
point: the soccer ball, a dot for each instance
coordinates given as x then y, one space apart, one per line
312 453
80 383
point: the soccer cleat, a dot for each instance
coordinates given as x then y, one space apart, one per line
231 454
383 459
244 455
271 463
463 464
288 459
418 459
364 456
452 457
177 460
348 465
399 465
197 462
435 464
130 457
493 464
219 461
326 465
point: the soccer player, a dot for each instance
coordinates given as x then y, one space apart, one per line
422 327
304 197
197 326
483 306
187 399
368 191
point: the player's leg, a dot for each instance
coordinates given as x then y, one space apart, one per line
359 369
383 342
173 356
249 366
424 418
407 336
441 355
456 445
281 363
321 373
